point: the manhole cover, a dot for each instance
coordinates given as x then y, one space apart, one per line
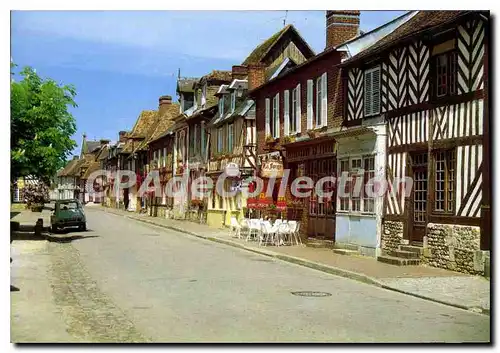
312 294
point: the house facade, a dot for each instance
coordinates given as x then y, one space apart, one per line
232 146
160 154
298 112
233 138
420 96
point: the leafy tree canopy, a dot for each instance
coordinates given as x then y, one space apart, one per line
41 125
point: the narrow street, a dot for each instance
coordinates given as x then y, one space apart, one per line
131 282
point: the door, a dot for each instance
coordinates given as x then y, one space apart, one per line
419 163
322 208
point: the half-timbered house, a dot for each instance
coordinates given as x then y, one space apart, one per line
233 144
421 92
160 154
300 116
233 132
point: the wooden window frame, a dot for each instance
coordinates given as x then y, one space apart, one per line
319 97
449 180
221 106
451 74
341 201
275 116
220 144
233 101
293 115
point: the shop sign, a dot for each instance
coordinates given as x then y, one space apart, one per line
271 165
271 168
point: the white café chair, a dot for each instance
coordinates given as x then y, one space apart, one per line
268 233
253 229
283 233
244 227
294 231
235 227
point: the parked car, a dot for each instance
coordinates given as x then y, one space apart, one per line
68 213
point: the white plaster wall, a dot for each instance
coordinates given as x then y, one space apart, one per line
369 144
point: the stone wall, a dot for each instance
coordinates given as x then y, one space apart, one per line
454 247
392 235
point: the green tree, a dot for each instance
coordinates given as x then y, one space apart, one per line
41 125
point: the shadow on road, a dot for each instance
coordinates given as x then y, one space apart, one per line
71 238
27 235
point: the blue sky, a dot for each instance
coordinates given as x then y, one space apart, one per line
122 61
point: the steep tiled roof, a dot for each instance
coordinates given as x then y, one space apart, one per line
91 146
94 166
143 124
218 75
68 167
422 21
73 167
259 53
165 121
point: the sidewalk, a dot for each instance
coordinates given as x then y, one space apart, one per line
438 285
28 217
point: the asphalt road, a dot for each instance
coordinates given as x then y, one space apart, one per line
132 282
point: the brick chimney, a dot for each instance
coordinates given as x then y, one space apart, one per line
163 103
121 135
239 72
341 26
256 75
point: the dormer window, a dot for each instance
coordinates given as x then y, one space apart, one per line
233 100
204 95
221 105
187 101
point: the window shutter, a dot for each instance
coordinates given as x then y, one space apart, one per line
277 121
309 104
268 126
318 103
297 110
286 113
324 100
368 92
376 91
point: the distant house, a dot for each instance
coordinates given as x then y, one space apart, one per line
160 150
71 179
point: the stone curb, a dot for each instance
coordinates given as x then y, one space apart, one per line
310 264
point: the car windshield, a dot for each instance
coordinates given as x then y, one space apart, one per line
69 206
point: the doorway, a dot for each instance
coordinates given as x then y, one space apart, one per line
419 162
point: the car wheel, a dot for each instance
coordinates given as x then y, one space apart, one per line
53 228
83 227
